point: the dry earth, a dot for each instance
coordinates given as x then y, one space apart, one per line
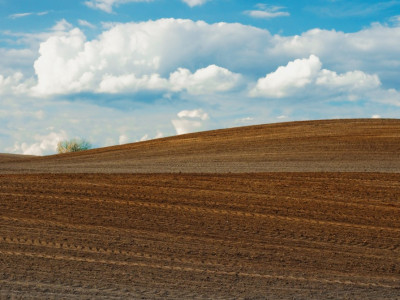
311 146
251 234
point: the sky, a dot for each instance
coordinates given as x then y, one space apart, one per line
122 71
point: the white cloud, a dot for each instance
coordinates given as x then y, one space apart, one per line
286 80
159 135
129 83
395 20
186 126
189 121
376 117
22 15
14 84
196 58
16 60
193 3
267 12
57 69
107 5
44 145
204 81
370 50
144 138
85 23
135 55
123 139
297 75
390 96
196 113
62 25
244 120
350 81
164 46
126 58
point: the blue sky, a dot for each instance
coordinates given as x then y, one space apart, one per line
119 71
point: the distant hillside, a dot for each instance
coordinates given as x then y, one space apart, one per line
5 157
371 145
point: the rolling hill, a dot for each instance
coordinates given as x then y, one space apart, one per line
300 210
311 146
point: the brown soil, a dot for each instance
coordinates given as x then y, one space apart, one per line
312 146
276 235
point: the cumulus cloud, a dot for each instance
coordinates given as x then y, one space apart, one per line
107 5
370 50
189 121
165 45
349 81
69 63
267 12
45 144
193 3
203 81
126 58
62 25
285 80
298 74
57 69
170 55
14 84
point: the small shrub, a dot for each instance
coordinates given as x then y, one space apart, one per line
73 145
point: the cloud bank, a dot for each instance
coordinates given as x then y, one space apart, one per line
111 87
296 75
174 55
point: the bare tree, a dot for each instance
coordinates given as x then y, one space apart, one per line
73 145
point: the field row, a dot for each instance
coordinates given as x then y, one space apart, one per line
196 236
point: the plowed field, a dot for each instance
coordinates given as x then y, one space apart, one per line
302 210
266 235
370 145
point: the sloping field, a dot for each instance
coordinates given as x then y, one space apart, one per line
193 235
311 146
4 157
270 235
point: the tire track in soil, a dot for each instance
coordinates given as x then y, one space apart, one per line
102 250
228 254
196 270
63 290
187 208
361 246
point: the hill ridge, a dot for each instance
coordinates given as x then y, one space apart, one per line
339 145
